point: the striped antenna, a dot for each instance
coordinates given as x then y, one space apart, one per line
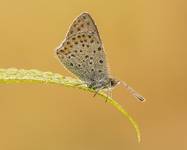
133 92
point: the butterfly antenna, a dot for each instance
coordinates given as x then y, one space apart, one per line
133 92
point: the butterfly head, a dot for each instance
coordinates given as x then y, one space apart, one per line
113 82
106 83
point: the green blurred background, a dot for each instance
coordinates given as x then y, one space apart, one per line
145 42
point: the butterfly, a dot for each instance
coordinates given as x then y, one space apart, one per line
82 53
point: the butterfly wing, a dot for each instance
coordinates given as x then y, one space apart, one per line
83 23
83 55
82 52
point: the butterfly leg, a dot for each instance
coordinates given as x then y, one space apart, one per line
109 94
96 92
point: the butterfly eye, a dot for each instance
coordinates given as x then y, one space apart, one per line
99 48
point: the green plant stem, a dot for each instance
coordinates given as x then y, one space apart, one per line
13 75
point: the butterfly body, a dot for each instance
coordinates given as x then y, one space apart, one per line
107 83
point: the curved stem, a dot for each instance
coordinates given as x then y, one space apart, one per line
13 75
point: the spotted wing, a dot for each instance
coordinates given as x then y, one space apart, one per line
83 23
83 55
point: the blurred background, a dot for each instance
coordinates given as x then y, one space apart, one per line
145 42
